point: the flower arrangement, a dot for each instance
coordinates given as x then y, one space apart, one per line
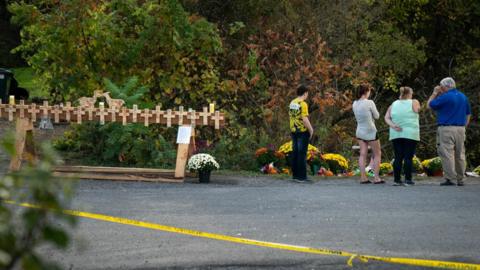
417 164
385 168
264 156
433 166
202 162
336 163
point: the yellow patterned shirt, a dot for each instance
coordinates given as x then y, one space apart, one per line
297 110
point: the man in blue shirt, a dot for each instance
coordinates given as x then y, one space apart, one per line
453 115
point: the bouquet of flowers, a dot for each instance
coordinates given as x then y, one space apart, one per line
433 166
385 168
202 162
337 163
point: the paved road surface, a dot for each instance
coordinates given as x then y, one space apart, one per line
425 221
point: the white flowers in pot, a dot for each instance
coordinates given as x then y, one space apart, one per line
202 162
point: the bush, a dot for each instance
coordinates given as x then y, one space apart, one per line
24 229
385 168
336 163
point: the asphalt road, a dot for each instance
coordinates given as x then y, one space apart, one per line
425 221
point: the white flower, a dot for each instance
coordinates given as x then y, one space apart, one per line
200 162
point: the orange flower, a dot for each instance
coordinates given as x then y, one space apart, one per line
279 155
328 173
261 151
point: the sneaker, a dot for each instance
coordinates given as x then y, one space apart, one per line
460 183
398 184
447 183
410 183
303 181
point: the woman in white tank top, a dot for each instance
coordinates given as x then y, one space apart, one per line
365 112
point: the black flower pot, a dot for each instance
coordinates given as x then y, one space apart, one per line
204 176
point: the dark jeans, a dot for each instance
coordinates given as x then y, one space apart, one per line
404 152
299 154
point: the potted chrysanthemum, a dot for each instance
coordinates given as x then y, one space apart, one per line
203 164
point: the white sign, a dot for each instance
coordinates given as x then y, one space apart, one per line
184 134
2 76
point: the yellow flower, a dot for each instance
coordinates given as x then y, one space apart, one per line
339 158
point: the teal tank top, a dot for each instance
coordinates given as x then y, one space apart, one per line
403 115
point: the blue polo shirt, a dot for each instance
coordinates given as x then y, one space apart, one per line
452 108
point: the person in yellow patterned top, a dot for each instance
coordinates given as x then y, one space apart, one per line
301 132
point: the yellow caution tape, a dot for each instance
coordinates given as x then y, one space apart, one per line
245 241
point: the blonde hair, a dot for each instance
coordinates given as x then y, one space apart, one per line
405 91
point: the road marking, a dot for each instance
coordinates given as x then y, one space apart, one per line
245 241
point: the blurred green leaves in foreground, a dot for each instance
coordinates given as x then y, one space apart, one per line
23 230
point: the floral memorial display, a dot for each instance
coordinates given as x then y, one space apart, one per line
203 164
433 166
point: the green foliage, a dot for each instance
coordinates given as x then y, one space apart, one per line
73 44
115 144
129 92
23 229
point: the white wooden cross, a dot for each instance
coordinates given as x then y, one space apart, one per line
102 113
79 112
192 115
217 119
124 114
158 113
33 111
11 109
56 113
22 108
180 114
68 109
90 111
135 112
169 117
45 108
146 115
204 115
113 112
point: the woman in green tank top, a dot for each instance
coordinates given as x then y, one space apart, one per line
403 119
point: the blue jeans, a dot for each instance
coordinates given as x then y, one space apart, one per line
299 154
404 152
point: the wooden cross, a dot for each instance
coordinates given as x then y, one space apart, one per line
204 115
146 115
22 108
169 117
192 115
45 108
102 113
68 109
56 113
113 112
90 111
180 114
124 114
135 112
157 114
33 111
217 118
11 109
79 112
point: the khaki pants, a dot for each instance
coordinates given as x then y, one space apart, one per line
451 150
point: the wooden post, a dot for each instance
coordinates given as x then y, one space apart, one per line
24 144
183 152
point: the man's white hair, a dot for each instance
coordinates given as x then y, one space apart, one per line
448 83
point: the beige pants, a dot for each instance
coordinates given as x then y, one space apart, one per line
451 150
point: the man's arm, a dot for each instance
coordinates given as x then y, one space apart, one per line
434 95
307 124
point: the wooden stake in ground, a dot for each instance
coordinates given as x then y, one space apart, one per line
24 144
